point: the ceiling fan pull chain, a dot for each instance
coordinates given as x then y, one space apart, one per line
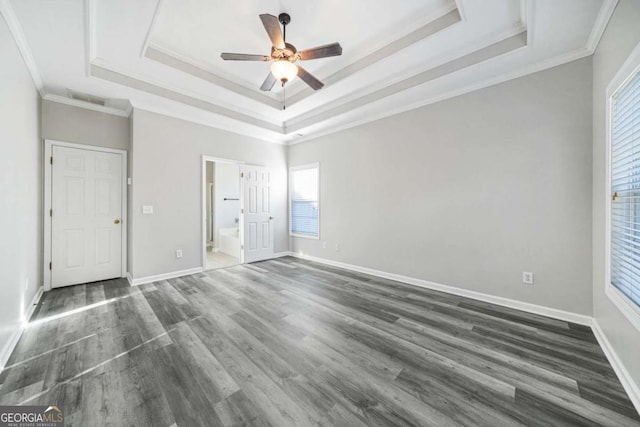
284 97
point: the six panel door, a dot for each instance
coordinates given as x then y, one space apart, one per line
86 220
258 222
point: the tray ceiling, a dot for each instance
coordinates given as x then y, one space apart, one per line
164 56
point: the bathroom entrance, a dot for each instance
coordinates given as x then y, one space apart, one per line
222 203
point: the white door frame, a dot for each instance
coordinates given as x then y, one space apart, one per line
203 185
48 151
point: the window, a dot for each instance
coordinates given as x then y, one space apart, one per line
624 213
304 192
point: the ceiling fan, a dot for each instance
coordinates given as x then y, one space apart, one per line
284 55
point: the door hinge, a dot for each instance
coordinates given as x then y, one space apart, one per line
51 159
242 211
50 264
241 246
50 212
241 174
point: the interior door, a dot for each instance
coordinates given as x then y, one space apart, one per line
258 221
86 216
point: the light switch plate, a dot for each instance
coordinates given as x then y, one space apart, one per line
147 209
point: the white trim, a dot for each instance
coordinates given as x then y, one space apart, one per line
505 302
86 105
48 151
626 379
147 37
534 68
15 337
163 276
90 37
315 165
281 254
203 200
629 69
214 76
18 35
600 24
622 302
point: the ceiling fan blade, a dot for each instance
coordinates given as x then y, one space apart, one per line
244 57
309 79
268 83
272 25
333 49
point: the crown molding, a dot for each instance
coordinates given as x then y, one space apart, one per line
434 25
435 22
600 25
183 63
102 70
89 32
18 35
540 66
137 106
491 48
147 38
87 105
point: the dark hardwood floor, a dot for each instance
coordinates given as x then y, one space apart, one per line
290 342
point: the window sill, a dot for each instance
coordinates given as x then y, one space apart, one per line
304 236
628 308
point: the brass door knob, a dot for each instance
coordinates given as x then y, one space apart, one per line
116 221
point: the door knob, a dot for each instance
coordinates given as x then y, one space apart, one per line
116 221
270 217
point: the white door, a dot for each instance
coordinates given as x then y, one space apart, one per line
258 222
86 217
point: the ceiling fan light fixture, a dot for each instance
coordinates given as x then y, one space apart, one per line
284 71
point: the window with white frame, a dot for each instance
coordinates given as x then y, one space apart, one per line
304 195
624 133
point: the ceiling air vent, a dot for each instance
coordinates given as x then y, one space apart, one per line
85 97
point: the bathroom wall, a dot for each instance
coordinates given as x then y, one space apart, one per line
227 185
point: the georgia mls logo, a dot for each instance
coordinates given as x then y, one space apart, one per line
31 416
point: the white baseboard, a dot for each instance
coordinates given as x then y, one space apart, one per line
15 337
163 276
280 254
630 386
505 302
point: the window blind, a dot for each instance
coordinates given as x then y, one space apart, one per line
625 189
304 201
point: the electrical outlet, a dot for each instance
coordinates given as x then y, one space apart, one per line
324 245
147 210
527 278
179 253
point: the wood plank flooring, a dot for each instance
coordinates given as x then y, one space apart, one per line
289 342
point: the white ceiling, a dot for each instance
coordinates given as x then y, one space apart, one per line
164 55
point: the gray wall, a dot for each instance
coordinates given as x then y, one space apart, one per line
620 38
67 123
469 192
20 190
167 173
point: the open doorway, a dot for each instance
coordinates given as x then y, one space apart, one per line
222 214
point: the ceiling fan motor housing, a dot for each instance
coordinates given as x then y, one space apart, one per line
289 52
